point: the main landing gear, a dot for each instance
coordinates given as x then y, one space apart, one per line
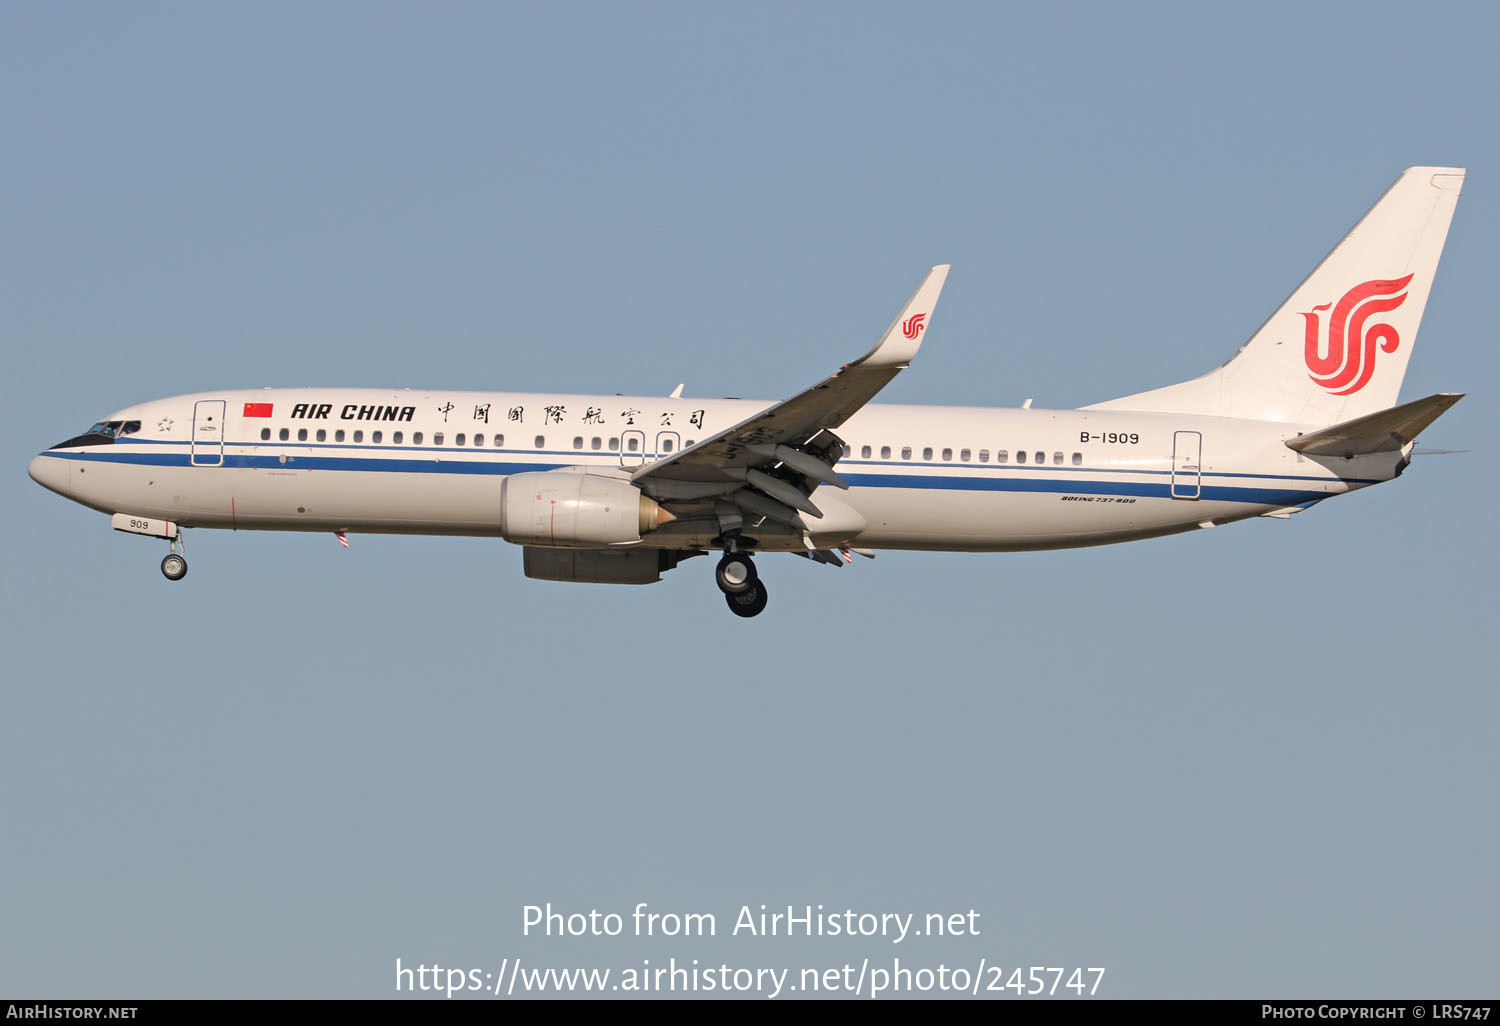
174 565
744 591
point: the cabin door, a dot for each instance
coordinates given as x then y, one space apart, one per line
207 447
1187 468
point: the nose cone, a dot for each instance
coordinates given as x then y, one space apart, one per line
49 472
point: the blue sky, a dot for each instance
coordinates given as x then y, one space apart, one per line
1246 762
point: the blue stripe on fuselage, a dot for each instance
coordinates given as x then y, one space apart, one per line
1075 486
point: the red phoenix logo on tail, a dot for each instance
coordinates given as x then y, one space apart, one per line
1349 360
912 327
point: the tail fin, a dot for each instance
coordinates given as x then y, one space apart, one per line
1338 347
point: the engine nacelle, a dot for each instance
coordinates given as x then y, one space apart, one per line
564 508
599 566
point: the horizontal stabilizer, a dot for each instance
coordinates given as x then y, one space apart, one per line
1386 431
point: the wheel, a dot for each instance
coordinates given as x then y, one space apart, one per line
735 573
174 567
749 602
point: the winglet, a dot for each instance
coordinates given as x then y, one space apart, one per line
902 339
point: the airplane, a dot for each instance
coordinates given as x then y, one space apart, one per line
620 489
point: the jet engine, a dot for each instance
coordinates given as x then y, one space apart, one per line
567 509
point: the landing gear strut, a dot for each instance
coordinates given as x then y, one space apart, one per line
174 565
735 575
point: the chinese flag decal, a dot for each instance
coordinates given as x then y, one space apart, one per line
258 409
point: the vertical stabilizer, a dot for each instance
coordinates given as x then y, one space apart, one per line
1338 347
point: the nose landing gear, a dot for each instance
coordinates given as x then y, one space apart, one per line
174 564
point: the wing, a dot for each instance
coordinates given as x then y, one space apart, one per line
769 464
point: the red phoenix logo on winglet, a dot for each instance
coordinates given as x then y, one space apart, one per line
913 325
1349 361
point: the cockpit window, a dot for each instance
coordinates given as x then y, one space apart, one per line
112 428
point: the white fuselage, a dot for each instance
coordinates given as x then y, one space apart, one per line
921 477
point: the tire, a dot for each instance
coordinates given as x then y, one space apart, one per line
174 567
748 603
735 573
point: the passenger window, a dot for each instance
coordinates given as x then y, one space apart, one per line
578 441
906 452
947 455
633 444
595 443
1020 455
458 439
690 443
984 455
499 441
396 437
963 455
376 436
1078 459
338 436
265 434
927 454
666 445
416 437
322 435
1057 459
359 436
478 441
285 434
848 451
864 452
302 434
1001 456
1041 457
614 445
541 442
885 452
437 437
